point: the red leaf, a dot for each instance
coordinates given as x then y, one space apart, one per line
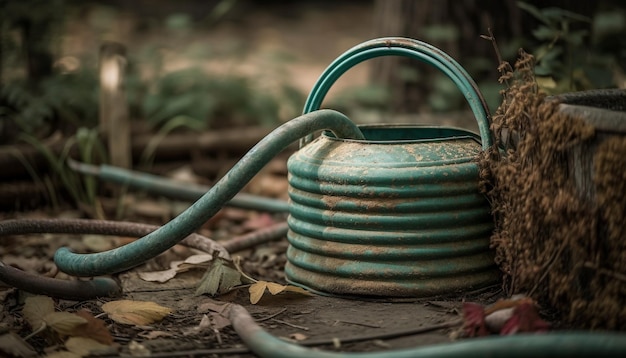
95 329
474 320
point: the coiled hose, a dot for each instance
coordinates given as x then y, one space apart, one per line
103 286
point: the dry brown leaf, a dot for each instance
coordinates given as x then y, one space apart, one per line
95 329
199 261
209 304
36 308
83 346
139 313
258 289
275 288
15 346
64 322
161 276
296 289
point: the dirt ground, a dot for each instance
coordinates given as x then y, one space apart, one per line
325 322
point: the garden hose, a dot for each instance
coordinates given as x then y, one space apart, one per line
77 290
173 189
555 344
168 235
102 286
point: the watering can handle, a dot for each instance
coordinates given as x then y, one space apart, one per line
407 47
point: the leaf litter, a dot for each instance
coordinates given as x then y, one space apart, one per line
139 313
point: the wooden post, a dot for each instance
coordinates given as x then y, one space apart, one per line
114 118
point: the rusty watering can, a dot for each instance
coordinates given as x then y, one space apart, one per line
399 214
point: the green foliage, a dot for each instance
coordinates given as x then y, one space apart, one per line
205 98
65 101
368 97
82 189
568 56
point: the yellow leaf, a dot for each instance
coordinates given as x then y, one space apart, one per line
296 289
63 322
275 288
256 291
83 346
35 308
139 313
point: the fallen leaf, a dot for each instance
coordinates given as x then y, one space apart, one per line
296 289
298 336
275 288
258 289
200 261
138 313
474 320
220 278
95 329
36 308
15 346
83 346
160 276
212 305
64 322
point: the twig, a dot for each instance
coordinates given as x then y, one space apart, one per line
271 316
290 324
355 323
270 233
507 67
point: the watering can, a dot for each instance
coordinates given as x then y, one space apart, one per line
399 213
386 210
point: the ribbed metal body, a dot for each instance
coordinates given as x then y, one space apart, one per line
396 215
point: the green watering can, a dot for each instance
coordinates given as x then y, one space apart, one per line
385 211
399 214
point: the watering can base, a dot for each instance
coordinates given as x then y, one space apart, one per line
355 288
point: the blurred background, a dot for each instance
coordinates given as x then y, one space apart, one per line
191 66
